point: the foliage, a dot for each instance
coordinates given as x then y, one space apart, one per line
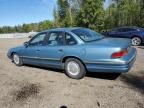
63 14
125 13
89 13
44 25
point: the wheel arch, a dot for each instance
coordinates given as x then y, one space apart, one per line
67 57
12 53
136 36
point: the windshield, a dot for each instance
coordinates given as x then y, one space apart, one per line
87 34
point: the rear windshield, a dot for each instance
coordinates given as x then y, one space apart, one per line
87 34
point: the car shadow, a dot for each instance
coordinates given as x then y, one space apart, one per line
106 76
141 47
137 82
45 68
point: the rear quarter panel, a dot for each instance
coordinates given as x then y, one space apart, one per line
75 51
140 34
99 53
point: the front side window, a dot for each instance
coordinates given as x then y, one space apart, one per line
114 30
38 39
55 38
87 34
122 30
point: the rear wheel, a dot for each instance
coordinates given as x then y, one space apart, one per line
17 60
74 68
136 41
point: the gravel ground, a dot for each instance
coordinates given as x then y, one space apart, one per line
33 87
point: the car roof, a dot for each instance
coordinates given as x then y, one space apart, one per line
68 29
133 27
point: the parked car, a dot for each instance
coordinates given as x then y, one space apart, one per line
134 33
77 51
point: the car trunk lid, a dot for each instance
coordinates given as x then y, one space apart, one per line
112 42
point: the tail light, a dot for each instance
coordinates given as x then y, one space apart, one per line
120 54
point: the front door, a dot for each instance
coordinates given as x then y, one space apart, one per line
30 54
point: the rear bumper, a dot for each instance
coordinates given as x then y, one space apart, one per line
121 65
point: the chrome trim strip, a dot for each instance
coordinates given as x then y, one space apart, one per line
103 62
40 58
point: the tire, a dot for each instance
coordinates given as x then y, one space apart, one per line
74 68
17 60
136 41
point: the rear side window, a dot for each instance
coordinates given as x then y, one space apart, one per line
70 39
131 29
55 38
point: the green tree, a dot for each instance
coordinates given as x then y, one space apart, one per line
28 27
45 25
91 15
62 13
122 13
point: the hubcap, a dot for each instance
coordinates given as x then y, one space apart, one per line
136 41
73 68
16 59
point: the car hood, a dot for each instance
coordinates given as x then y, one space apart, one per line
112 42
17 48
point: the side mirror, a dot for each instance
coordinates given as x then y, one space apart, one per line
105 33
30 36
26 44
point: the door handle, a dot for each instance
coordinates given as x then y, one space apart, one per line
60 50
37 50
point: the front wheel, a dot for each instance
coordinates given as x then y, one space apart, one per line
136 41
17 60
74 68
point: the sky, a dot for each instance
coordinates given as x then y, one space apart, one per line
15 12
107 3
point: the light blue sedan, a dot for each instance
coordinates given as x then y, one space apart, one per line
77 51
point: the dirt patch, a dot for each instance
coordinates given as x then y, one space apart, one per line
27 91
140 105
98 104
136 82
